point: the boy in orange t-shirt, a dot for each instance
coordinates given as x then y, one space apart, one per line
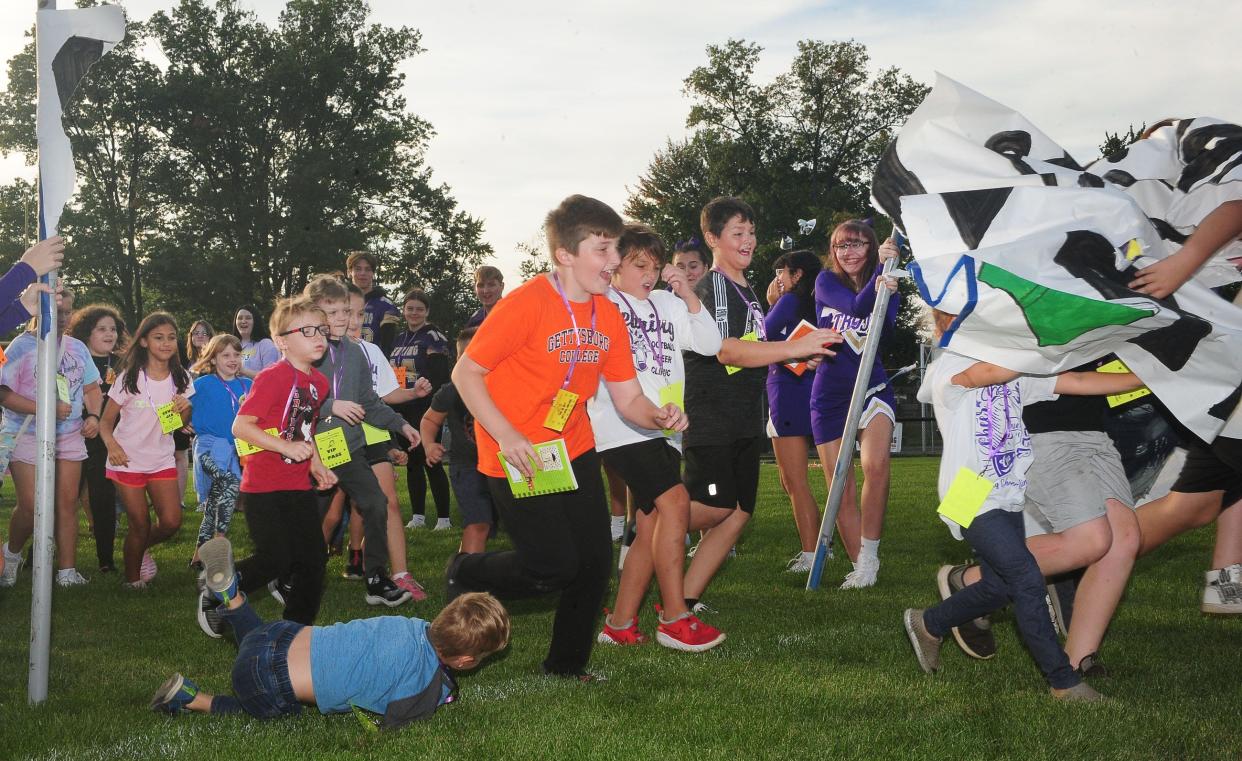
552 338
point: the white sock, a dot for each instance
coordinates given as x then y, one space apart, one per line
618 520
808 555
869 548
8 553
396 576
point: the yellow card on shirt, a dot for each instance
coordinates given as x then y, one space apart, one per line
751 336
674 393
374 435
170 419
62 388
1116 400
245 448
965 497
333 448
562 407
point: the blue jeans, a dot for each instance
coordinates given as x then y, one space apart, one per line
261 685
1010 574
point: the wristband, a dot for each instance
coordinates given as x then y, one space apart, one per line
90 414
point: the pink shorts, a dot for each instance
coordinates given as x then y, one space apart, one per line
71 447
140 480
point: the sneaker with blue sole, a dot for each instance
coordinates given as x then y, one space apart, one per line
174 695
218 571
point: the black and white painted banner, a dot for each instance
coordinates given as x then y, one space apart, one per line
1033 252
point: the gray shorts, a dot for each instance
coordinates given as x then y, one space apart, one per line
474 501
1072 475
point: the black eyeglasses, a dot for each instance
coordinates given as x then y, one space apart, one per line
309 331
850 245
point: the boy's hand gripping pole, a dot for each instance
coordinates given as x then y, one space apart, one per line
845 457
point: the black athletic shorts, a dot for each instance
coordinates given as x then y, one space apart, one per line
725 475
376 453
649 468
1210 469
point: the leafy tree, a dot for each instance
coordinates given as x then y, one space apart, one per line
1115 141
802 146
256 158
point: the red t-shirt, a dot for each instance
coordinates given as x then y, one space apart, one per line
286 399
527 344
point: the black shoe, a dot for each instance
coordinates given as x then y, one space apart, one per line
974 637
209 619
353 572
452 587
107 568
381 591
1090 666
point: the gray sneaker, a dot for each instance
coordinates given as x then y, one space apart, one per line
926 646
975 636
1079 693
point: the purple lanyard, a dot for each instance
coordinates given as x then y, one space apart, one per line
657 353
233 396
750 303
337 370
573 358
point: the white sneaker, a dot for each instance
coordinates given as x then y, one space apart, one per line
801 563
148 569
621 557
12 563
865 572
618 527
417 521
1222 591
69 577
442 524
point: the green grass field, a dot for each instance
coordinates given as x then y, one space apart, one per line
803 675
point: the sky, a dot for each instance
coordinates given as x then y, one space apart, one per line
536 100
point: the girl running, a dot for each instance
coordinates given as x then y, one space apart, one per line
153 392
218 393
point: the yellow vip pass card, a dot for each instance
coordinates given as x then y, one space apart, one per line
1116 400
62 388
374 435
751 336
170 419
965 497
245 448
562 408
674 393
333 449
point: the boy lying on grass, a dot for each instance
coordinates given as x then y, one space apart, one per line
395 666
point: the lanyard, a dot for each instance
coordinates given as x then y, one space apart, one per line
146 388
750 303
656 350
337 370
233 396
573 358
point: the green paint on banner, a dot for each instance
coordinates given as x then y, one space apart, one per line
1056 317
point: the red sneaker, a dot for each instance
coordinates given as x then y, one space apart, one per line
689 634
630 635
406 581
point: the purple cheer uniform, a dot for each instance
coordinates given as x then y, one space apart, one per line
789 395
848 313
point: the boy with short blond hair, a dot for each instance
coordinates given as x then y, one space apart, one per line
398 667
350 401
489 285
551 340
724 392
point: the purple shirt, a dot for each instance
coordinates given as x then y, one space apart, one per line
15 281
849 313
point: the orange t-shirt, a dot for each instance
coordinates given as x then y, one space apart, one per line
527 344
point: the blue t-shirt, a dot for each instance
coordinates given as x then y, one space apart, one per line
216 404
371 662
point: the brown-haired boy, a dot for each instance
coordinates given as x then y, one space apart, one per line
391 665
489 285
551 340
724 392
382 320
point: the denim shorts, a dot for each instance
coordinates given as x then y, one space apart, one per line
261 671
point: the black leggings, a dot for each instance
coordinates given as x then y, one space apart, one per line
102 494
417 475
